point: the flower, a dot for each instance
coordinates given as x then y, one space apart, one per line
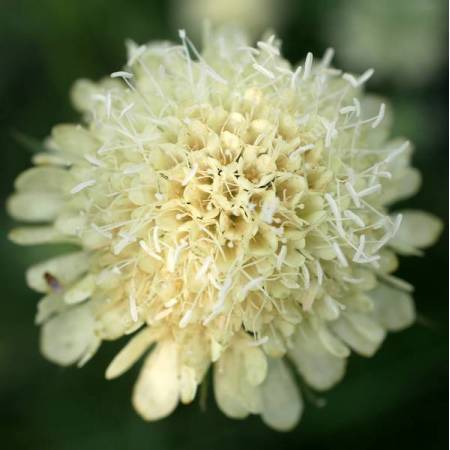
231 212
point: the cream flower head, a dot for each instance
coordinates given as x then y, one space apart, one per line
231 212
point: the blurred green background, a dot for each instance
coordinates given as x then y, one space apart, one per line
398 399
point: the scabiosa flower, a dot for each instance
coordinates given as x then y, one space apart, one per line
231 212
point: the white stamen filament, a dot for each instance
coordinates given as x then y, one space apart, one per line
204 268
369 191
156 240
122 74
251 285
337 215
147 250
281 256
339 254
353 194
301 150
308 65
319 271
186 318
133 307
264 71
81 186
380 116
103 233
355 218
190 175
258 342
360 250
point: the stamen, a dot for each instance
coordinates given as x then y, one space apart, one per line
259 342
147 250
380 116
190 175
204 268
352 216
308 65
186 318
83 185
264 71
281 256
156 239
133 307
122 74
339 254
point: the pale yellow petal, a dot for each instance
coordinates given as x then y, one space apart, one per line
282 403
66 337
129 354
227 376
320 368
393 309
65 269
81 290
73 139
46 179
255 363
156 391
360 332
418 229
38 235
34 206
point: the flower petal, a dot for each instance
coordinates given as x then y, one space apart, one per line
129 354
417 230
315 363
66 337
81 291
282 403
38 235
393 309
65 269
227 377
34 206
48 179
360 332
156 391
73 139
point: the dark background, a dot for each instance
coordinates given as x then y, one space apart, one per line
397 399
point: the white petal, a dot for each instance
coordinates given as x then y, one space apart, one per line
393 309
48 306
81 291
34 206
82 94
227 376
73 139
156 393
70 223
129 354
37 235
66 269
417 230
316 364
255 363
404 185
44 179
282 403
66 337
188 384
360 332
